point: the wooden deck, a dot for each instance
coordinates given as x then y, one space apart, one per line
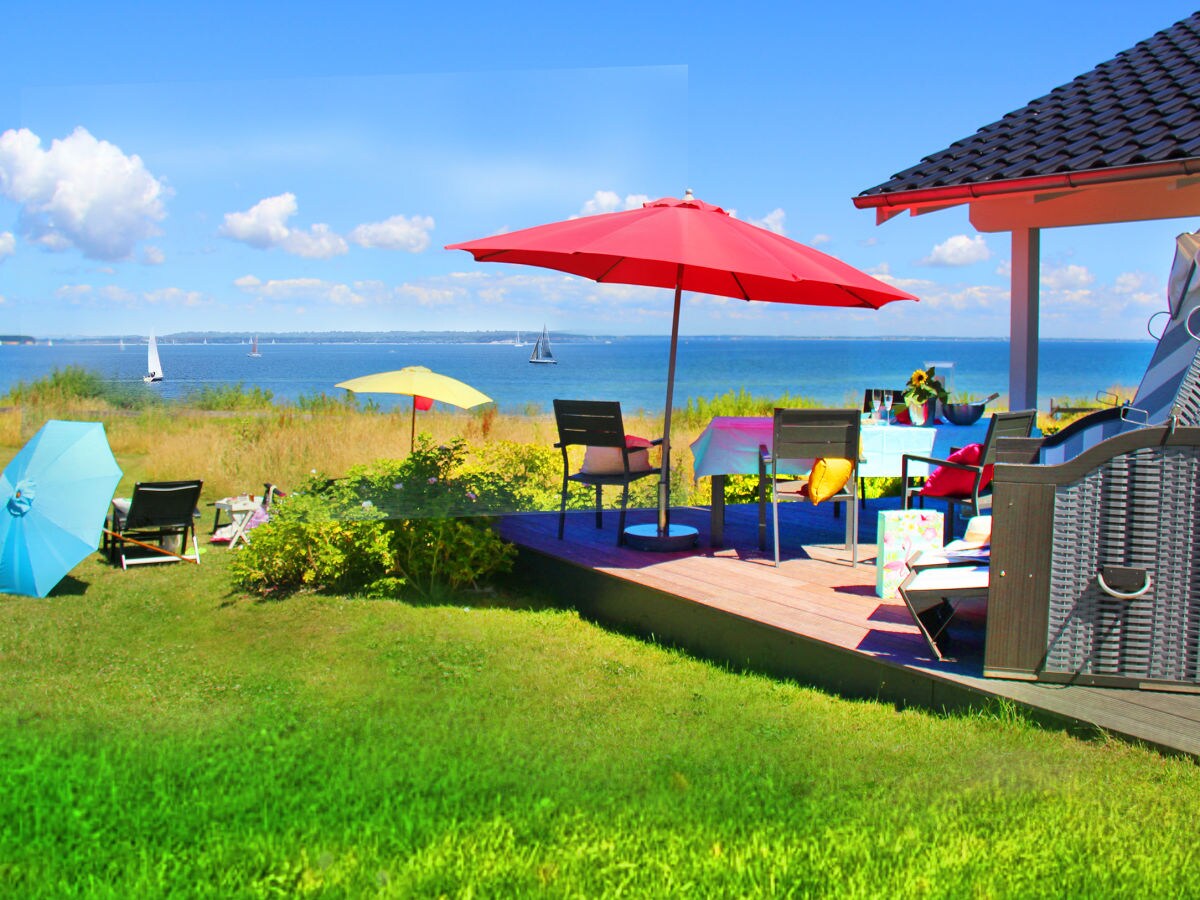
815 618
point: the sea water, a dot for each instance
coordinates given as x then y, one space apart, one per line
629 369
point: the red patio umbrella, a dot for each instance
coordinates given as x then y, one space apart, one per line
689 245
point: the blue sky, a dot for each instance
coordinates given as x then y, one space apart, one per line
299 166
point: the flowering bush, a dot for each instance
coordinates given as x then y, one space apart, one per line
394 526
924 385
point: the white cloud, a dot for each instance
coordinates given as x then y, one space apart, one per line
173 296
610 201
818 239
8 244
153 256
772 221
959 250
68 291
264 226
305 289
396 233
82 193
1130 282
1066 278
116 294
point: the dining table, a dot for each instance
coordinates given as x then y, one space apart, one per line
729 445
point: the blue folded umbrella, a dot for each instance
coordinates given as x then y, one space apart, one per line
55 493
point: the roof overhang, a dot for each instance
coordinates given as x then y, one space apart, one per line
1165 190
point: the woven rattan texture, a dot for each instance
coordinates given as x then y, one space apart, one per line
1187 401
1139 509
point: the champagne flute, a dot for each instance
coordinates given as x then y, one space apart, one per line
887 407
876 403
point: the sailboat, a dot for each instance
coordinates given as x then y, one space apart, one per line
154 370
254 348
541 350
518 342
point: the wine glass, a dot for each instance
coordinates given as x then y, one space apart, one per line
876 403
887 407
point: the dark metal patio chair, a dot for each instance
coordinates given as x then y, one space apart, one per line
810 434
975 500
598 424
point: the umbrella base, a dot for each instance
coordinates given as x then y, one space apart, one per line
647 537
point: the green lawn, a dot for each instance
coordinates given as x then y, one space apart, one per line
163 735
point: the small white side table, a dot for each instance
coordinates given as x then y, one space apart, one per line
240 510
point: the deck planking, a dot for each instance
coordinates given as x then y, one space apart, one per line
817 610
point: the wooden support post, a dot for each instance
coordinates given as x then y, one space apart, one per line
1023 321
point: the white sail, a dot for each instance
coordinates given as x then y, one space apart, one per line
154 370
541 350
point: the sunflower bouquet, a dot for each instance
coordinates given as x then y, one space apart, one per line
924 385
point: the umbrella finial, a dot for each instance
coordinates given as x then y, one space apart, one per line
688 195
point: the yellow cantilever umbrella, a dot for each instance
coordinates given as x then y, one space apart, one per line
423 385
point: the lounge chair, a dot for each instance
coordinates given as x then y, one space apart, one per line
611 458
939 580
972 495
815 436
154 524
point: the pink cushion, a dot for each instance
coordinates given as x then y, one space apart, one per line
608 460
945 481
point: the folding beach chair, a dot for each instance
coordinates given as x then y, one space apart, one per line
939 580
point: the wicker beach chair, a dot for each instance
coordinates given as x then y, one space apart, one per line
1102 568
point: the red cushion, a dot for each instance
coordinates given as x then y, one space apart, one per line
945 481
632 441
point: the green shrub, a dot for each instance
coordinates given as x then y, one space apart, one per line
309 544
393 526
347 401
75 383
699 411
230 397
531 474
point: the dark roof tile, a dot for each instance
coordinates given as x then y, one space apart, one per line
1142 106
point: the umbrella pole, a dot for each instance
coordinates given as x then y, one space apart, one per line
662 536
664 479
412 433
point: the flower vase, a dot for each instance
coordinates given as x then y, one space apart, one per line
922 413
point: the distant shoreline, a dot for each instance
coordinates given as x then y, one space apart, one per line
401 338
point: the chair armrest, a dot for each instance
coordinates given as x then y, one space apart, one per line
932 460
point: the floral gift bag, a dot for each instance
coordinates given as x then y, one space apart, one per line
902 532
